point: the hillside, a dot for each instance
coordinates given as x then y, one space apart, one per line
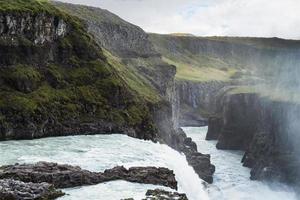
56 80
226 58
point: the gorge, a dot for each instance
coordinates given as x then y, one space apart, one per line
83 87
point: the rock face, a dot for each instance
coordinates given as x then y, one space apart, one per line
266 130
197 101
38 28
17 190
239 121
23 29
66 176
164 195
215 125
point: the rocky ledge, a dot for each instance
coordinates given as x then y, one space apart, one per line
17 190
159 194
164 195
200 162
66 176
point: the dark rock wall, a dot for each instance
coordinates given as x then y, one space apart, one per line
268 132
197 101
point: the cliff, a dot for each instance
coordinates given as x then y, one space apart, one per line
266 129
55 80
207 66
132 54
68 70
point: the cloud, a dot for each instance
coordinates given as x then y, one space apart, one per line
258 18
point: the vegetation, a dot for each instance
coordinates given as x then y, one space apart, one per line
201 74
133 79
33 6
226 58
79 83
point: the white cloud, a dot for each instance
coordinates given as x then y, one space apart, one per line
260 18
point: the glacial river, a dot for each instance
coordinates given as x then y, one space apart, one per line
100 152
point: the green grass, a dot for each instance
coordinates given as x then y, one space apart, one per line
201 74
33 6
86 85
133 79
265 91
204 58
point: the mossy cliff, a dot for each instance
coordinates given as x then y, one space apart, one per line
67 70
55 80
133 56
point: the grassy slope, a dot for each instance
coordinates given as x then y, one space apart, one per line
129 74
191 67
85 88
210 64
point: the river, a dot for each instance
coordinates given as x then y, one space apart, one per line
231 179
100 152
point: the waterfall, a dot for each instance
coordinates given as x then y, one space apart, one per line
188 180
100 152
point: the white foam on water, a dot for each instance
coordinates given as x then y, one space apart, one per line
100 152
231 179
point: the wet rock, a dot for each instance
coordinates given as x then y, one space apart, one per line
164 195
17 190
66 176
200 162
146 175
215 125
267 131
239 121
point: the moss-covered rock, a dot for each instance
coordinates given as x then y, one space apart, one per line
64 84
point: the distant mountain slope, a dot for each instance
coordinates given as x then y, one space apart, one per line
225 58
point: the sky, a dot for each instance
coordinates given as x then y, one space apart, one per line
256 18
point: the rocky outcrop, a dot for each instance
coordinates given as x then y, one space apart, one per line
27 38
164 195
159 194
200 162
239 121
215 125
38 28
17 190
66 176
267 130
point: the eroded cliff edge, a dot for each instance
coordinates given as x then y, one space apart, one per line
266 129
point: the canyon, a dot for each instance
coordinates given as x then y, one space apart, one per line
71 70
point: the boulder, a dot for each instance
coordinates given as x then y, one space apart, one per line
16 190
158 194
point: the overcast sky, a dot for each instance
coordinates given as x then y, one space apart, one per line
261 18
